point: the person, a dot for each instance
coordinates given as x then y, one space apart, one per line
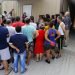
39 43
5 15
41 20
13 20
62 14
12 32
47 24
32 22
1 64
18 43
50 42
24 16
67 22
61 29
48 16
18 22
3 22
4 50
10 29
12 13
30 32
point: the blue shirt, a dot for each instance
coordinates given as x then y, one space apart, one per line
29 31
3 37
19 40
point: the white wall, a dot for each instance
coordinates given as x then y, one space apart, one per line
38 6
42 6
8 5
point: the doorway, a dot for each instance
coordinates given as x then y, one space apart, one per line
27 9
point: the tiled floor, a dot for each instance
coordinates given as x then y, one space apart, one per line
63 66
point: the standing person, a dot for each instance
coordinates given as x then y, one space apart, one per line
30 32
18 22
32 22
61 29
10 28
41 21
50 42
12 13
4 50
24 16
39 43
18 43
67 22
12 32
5 15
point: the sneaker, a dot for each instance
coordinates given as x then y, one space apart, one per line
24 71
47 61
37 60
53 57
15 70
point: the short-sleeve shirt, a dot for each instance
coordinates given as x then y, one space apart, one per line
3 37
33 24
11 32
19 40
18 24
29 31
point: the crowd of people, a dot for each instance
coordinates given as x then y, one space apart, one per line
25 39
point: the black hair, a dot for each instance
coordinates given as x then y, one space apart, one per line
62 13
52 16
8 21
57 15
32 18
41 16
51 24
60 17
47 20
4 21
17 18
48 16
18 29
27 20
13 19
5 12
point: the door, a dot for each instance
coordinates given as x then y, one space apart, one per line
28 10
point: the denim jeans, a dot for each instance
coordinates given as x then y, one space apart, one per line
22 57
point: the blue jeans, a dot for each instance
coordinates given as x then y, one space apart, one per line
22 61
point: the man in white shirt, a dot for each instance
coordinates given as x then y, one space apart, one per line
10 29
5 15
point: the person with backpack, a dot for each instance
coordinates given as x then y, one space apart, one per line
50 42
